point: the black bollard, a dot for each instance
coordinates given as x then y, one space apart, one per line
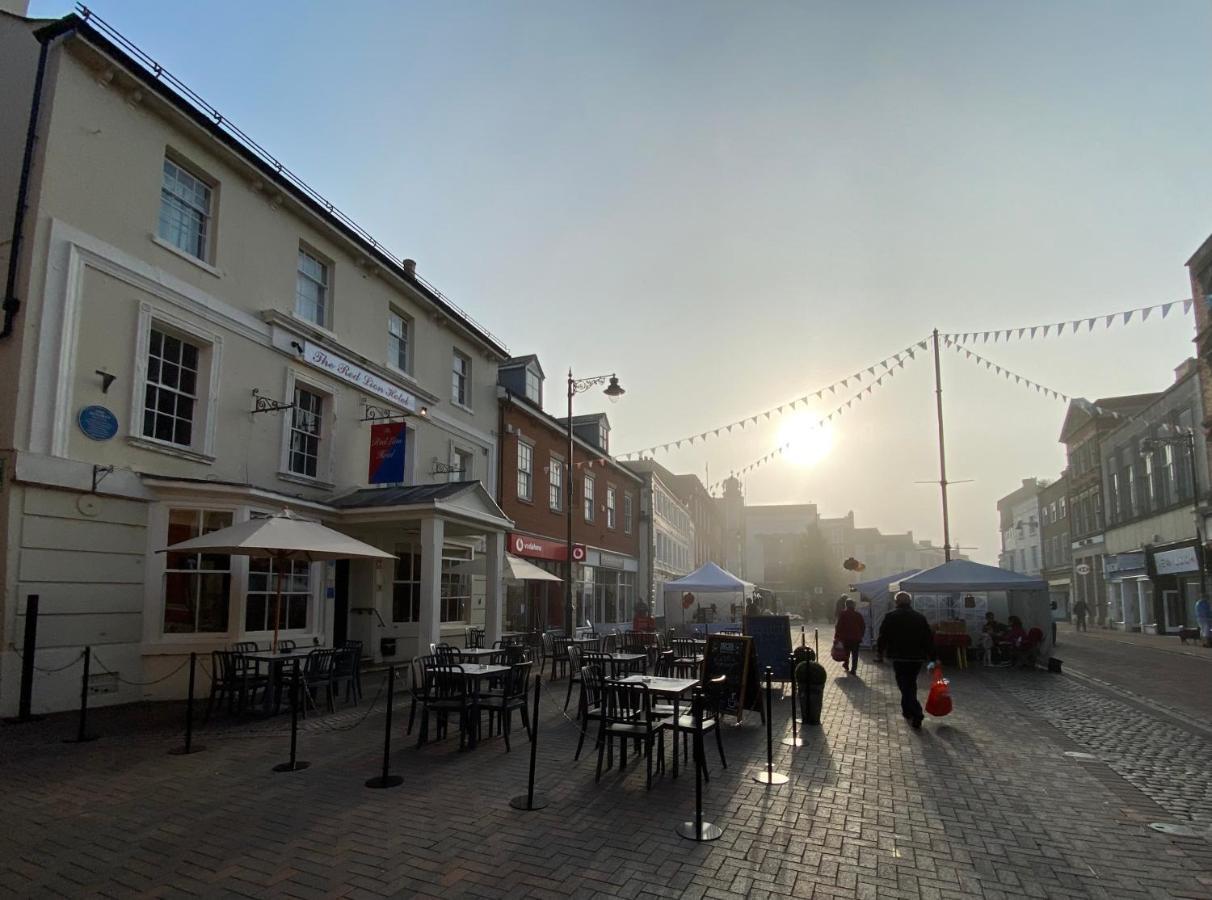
530 801
189 747
386 780
698 830
803 643
794 740
28 649
770 777
295 764
82 735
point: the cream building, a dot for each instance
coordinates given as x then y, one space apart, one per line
193 337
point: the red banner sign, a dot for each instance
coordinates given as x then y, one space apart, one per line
543 548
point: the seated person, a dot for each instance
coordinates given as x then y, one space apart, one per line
1015 635
991 633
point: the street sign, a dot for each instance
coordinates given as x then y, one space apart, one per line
1083 569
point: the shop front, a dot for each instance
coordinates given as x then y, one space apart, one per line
538 605
1174 570
1129 590
606 589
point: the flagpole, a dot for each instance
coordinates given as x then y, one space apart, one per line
942 454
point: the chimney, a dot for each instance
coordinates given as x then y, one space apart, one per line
1185 368
410 267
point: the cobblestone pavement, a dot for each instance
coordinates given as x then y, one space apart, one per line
982 804
1156 669
1168 762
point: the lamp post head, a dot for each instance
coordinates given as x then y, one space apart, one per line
613 390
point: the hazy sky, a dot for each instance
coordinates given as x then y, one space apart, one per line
731 204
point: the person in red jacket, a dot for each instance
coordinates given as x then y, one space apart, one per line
850 629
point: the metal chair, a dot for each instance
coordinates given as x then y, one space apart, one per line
512 696
627 715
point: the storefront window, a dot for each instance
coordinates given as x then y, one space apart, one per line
406 585
263 577
456 590
197 586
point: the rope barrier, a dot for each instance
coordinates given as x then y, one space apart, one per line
46 671
109 671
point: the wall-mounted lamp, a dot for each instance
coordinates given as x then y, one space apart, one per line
106 380
297 346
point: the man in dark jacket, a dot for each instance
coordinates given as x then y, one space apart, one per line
906 639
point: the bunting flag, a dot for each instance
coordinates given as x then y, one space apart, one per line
990 365
1031 332
888 363
782 448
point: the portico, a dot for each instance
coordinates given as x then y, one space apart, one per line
431 596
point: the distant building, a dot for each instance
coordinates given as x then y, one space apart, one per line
1057 547
1152 554
667 538
732 515
1200 269
1018 514
1085 426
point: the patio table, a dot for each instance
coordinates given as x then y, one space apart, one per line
475 673
275 661
671 688
628 662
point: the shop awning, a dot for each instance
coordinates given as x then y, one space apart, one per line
520 570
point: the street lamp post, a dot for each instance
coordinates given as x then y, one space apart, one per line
577 386
1187 440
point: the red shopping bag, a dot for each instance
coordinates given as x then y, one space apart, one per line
838 652
938 701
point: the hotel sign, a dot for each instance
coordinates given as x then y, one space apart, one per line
367 381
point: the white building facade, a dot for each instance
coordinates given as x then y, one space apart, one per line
1022 544
196 338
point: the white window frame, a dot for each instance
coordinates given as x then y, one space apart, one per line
555 483
211 344
588 486
628 512
530 373
611 512
324 463
394 341
457 354
326 265
232 576
301 429
525 472
456 452
209 217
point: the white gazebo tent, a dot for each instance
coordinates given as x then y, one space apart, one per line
1024 596
707 579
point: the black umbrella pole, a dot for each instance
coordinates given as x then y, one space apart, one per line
770 777
698 830
387 780
189 747
82 735
295 764
816 639
530 801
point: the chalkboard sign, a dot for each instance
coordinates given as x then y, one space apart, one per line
771 644
731 655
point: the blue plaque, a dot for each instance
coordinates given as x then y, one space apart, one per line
98 423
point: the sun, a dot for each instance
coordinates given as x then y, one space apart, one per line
806 441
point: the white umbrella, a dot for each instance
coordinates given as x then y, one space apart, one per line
280 538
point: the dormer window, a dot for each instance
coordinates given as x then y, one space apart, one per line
533 386
604 436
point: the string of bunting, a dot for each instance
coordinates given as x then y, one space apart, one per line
874 374
820 423
989 364
1032 332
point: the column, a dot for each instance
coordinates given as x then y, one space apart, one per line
494 587
429 628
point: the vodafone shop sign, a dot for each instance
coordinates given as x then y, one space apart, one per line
542 548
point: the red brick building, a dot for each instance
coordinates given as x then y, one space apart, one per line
533 491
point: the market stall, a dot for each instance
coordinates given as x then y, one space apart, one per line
707 579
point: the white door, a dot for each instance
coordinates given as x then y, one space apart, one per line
1172 606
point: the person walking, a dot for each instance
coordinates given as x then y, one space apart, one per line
906 639
840 606
850 629
1080 611
1203 617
